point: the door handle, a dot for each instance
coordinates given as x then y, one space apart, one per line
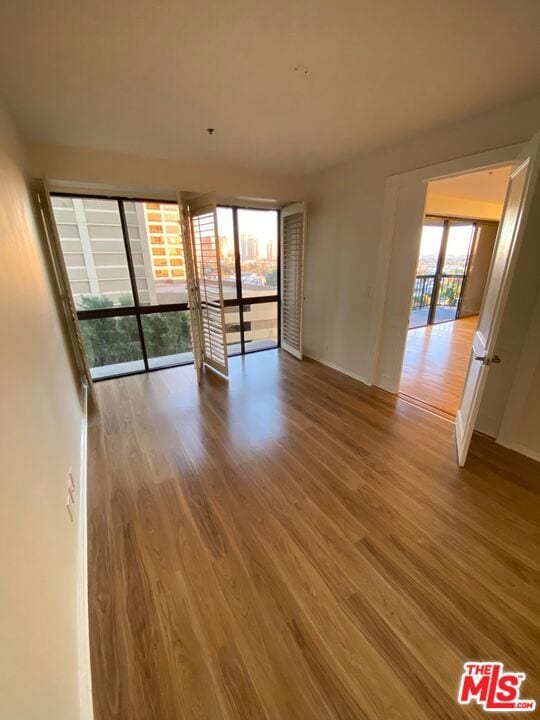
485 360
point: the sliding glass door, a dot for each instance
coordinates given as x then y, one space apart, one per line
445 248
126 268
426 271
250 275
453 268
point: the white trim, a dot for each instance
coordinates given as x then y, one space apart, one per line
86 710
522 449
385 339
340 369
522 383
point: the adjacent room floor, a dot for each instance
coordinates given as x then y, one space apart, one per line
294 544
435 363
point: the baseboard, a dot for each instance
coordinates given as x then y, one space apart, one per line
522 449
338 368
85 673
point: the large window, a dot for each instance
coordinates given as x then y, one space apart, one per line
126 269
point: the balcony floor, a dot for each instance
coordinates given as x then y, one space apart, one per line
444 313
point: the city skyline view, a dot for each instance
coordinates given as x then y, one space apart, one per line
94 248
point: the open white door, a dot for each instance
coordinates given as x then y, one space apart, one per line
293 234
511 227
205 289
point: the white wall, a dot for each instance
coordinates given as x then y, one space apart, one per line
40 435
477 273
156 176
344 232
439 204
345 220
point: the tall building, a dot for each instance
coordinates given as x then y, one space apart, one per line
91 237
163 230
249 247
90 232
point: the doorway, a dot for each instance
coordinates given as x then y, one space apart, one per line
457 241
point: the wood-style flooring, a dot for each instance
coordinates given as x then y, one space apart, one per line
435 363
294 545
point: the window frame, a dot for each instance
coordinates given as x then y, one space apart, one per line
139 310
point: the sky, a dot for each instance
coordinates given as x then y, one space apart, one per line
260 223
459 239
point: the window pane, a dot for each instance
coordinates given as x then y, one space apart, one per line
93 246
260 325
156 247
226 250
459 241
112 345
167 338
430 246
258 238
458 244
232 324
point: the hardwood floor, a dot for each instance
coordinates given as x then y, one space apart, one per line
292 544
435 363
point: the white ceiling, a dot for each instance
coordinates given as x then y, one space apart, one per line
148 76
485 185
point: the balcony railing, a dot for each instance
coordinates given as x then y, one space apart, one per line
450 290
425 308
423 290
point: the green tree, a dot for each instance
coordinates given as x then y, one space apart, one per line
271 277
111 340
108 340
166 333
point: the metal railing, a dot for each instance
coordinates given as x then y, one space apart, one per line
423 290
448 288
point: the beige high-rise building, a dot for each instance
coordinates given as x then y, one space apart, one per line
163 230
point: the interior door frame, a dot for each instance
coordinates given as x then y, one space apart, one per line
403 216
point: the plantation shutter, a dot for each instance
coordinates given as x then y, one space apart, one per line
192 288
203 270
293 233
57 265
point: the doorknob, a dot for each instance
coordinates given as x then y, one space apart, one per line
485 360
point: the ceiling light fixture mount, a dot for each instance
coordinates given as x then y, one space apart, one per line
210 131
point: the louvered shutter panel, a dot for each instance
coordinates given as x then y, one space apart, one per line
293 233
194 304
206 280
57 263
